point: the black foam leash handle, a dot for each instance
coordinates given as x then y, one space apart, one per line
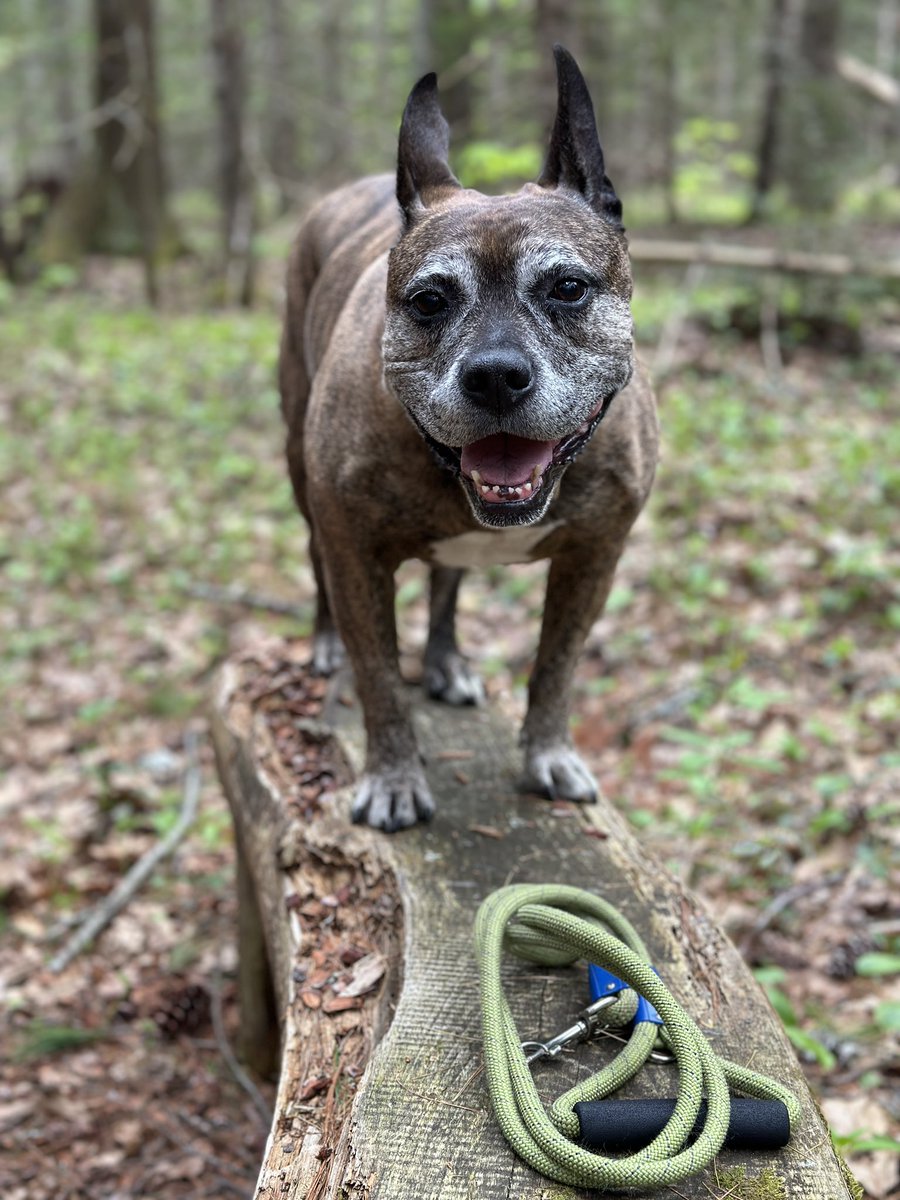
623 1125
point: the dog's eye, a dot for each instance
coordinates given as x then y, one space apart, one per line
428 303
569 291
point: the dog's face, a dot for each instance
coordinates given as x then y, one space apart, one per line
508 327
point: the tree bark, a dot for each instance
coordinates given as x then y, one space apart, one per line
554 21
419 1123
770 122
235 181
337 155
817 125
59 16
281 101
449 34
117 202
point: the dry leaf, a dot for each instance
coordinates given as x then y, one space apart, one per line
365 975
489 831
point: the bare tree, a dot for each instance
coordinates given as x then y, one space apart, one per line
555 21
281 121
117 201
817 116
450 27
774 69
235 180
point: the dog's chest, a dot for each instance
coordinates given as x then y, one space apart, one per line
491 547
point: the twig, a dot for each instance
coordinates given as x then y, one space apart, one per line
97 919
231 1061
241 596
784 900
769 342
163 1125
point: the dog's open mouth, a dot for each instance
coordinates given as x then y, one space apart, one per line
509 476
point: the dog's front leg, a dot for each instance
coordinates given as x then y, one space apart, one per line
576 593
393 793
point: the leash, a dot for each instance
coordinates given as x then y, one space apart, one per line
555 925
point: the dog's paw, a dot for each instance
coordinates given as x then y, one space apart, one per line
328 652
453 681
393 799
560 773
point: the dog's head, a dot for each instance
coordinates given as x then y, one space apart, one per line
508 327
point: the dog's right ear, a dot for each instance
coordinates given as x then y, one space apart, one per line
422 167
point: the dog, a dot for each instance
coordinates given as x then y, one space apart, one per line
458 382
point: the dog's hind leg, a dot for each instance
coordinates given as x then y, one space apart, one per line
328 649
447 674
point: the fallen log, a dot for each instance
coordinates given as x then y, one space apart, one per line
758 258
381 1093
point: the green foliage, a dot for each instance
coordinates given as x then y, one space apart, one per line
878 963
802 1040
492 167
41 1040
711 179
887 1016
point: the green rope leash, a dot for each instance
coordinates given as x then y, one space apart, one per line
555 925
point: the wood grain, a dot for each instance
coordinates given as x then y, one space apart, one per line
420 1125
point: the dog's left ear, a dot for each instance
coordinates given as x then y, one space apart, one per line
574 157
422 167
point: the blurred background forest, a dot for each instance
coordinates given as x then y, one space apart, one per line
739 700
130 124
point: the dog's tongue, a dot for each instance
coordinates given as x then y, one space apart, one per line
506 459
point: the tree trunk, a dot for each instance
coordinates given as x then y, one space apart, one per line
773 90
133 197
59 16
337 156
554 21
818 118
281 100
449 34
117 202
235 183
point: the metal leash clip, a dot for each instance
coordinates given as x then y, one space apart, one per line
585 1027
605 988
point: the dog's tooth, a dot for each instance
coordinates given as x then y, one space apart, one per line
536 473
476 478
526 487
484 489
496 489
518 491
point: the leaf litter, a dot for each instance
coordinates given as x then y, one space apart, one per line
738 702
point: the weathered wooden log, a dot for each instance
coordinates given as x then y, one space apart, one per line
380 1094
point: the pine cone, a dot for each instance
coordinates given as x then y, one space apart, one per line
182 1009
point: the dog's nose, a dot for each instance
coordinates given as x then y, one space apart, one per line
497 379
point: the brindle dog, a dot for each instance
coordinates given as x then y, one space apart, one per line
458 381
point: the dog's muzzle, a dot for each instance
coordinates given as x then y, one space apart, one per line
509 480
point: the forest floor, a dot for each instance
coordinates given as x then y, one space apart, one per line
739 701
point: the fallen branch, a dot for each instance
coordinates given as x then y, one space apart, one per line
759 258
97 919
259 1103
877 84
242 597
